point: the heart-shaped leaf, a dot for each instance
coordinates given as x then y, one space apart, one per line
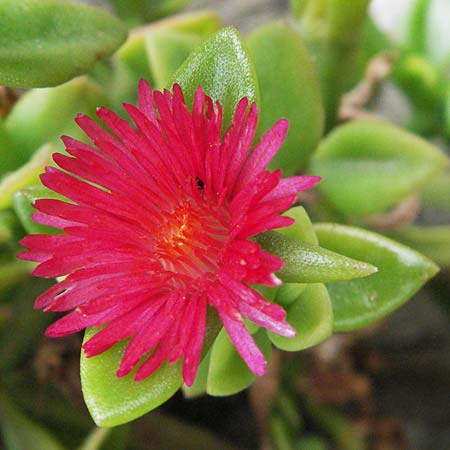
222 67
43 115
25 176
48 42
306 263
369 166
311 315
228 373
290 88
401 272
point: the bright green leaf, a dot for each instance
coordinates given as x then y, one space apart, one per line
25 176
166 51
23 202
306 263
228 373
311 315
43 115
113 401
222 67
369 166
21 433
290 88
401 273
48 42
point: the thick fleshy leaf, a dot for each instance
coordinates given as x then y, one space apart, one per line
222 66
228 373
311 315
369 166
25 176
43 115
9 156
401 273
23 202
433 242
21 433
48 42
303 231
306 263
113 401
166 51
290 88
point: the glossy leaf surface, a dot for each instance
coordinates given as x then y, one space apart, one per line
401 273
112 400
311 315
222 66
306 263
228 373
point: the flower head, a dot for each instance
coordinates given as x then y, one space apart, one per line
159 228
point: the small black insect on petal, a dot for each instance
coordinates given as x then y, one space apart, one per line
200 184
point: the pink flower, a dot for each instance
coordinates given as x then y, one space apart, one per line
159 227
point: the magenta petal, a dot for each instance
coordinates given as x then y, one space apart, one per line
158 226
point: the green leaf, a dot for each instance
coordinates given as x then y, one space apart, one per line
311 315
433 242
290 88
303 231
306 263
166 51
23 202
9 156
401 273
48 42
228 373
113 401
21 433
43 115
222 67
25 176
370 166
